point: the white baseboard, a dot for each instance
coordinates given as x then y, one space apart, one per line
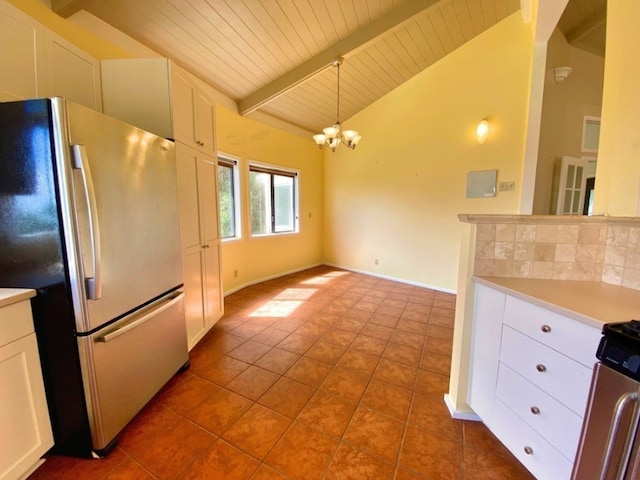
395 279
271 277
459 414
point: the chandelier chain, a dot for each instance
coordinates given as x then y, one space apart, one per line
338 96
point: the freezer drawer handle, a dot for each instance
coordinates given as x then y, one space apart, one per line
81 162
621 404
148 316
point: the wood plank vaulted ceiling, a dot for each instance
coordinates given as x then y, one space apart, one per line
274 55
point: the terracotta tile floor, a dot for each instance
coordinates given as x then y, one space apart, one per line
322 374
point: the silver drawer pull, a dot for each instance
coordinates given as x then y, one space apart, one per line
535 410
545 328
528 450
541 368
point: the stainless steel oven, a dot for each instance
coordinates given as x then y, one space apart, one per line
609 446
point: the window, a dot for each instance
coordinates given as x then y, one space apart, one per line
273 200
228 198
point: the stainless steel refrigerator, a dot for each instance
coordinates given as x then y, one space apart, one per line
89 218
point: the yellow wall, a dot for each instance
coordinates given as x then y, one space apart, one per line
564 107
618 171
260 258
90 43
397 196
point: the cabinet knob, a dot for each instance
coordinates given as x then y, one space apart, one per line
541 368
528 450
545 328
535 410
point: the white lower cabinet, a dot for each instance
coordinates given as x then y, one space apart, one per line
529 446
530 376
556 423
24 417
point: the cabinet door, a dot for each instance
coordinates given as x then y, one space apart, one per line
212 283
485 350
210 232
193 267
26 431
205 113
208 197
72 73
187 173
19 52
183 101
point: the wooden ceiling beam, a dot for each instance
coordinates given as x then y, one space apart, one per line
66 8
355 41
588 26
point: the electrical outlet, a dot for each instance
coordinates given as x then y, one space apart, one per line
375 262
235 274
507 186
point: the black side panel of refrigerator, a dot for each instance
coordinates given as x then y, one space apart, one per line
32 256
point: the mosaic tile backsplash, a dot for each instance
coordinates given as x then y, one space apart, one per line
576 250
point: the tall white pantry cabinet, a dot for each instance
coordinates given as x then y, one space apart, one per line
156 95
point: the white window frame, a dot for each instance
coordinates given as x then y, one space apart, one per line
252 166
235 161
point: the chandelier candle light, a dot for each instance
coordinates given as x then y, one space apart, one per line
334 135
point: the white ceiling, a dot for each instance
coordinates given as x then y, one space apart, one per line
274 55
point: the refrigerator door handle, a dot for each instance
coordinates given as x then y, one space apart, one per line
81 162
621 404
136 323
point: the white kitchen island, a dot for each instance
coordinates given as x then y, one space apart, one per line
533 294
533 349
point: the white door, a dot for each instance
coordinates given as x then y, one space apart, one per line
572 186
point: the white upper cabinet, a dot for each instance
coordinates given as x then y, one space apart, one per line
71 73
19 54
36 62
193 111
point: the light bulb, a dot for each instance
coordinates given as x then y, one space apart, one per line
482 131
320 138
331 132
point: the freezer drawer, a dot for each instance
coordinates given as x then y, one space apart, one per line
126 363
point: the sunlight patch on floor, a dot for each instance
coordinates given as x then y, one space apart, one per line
277 308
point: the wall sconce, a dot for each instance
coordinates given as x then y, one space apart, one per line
482 131
560 74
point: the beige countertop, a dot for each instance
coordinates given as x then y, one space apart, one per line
14 295
592 303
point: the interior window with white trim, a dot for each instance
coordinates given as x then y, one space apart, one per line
274 199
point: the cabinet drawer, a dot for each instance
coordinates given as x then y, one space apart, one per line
556 423
561 377
567 336
543 461
16 322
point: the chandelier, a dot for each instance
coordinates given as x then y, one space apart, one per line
334 135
